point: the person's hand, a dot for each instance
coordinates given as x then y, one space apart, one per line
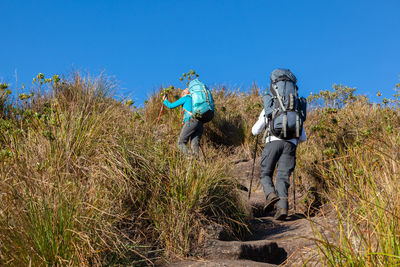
165 97
185 92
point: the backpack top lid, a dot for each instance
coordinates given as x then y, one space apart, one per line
195 82
282 75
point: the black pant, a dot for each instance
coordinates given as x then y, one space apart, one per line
282 153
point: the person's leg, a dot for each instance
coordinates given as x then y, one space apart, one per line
196 136
184 138
269 158
286 166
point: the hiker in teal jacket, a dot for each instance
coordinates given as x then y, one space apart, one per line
192 128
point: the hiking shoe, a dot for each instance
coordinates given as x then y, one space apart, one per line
272 198
281 214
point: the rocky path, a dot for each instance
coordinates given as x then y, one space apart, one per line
270 243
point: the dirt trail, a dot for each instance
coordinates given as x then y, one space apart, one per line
270 243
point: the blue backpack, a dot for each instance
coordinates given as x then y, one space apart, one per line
202 101
284 109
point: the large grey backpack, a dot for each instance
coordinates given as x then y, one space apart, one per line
284 110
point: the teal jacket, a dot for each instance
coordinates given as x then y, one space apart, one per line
186 103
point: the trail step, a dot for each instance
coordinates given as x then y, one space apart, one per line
221 263
256 251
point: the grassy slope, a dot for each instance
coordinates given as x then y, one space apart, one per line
353 159
87 180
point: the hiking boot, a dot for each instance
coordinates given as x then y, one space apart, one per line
272 198
281 214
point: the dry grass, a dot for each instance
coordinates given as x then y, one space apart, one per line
87 180
352 157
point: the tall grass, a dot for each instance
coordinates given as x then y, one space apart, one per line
194 195
86 180
353 157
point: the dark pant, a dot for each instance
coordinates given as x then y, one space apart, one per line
282 153
193 130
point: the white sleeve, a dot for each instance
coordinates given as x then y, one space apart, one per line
303 136
259 125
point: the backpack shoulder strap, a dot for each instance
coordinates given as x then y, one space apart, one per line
279 98
266 132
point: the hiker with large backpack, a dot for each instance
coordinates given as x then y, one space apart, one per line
282 118
198 108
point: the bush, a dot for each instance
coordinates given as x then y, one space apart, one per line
352 156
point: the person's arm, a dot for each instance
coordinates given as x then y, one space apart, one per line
175 104
259 125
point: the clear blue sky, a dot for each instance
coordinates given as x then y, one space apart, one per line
146 44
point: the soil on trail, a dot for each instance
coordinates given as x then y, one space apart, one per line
270 242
